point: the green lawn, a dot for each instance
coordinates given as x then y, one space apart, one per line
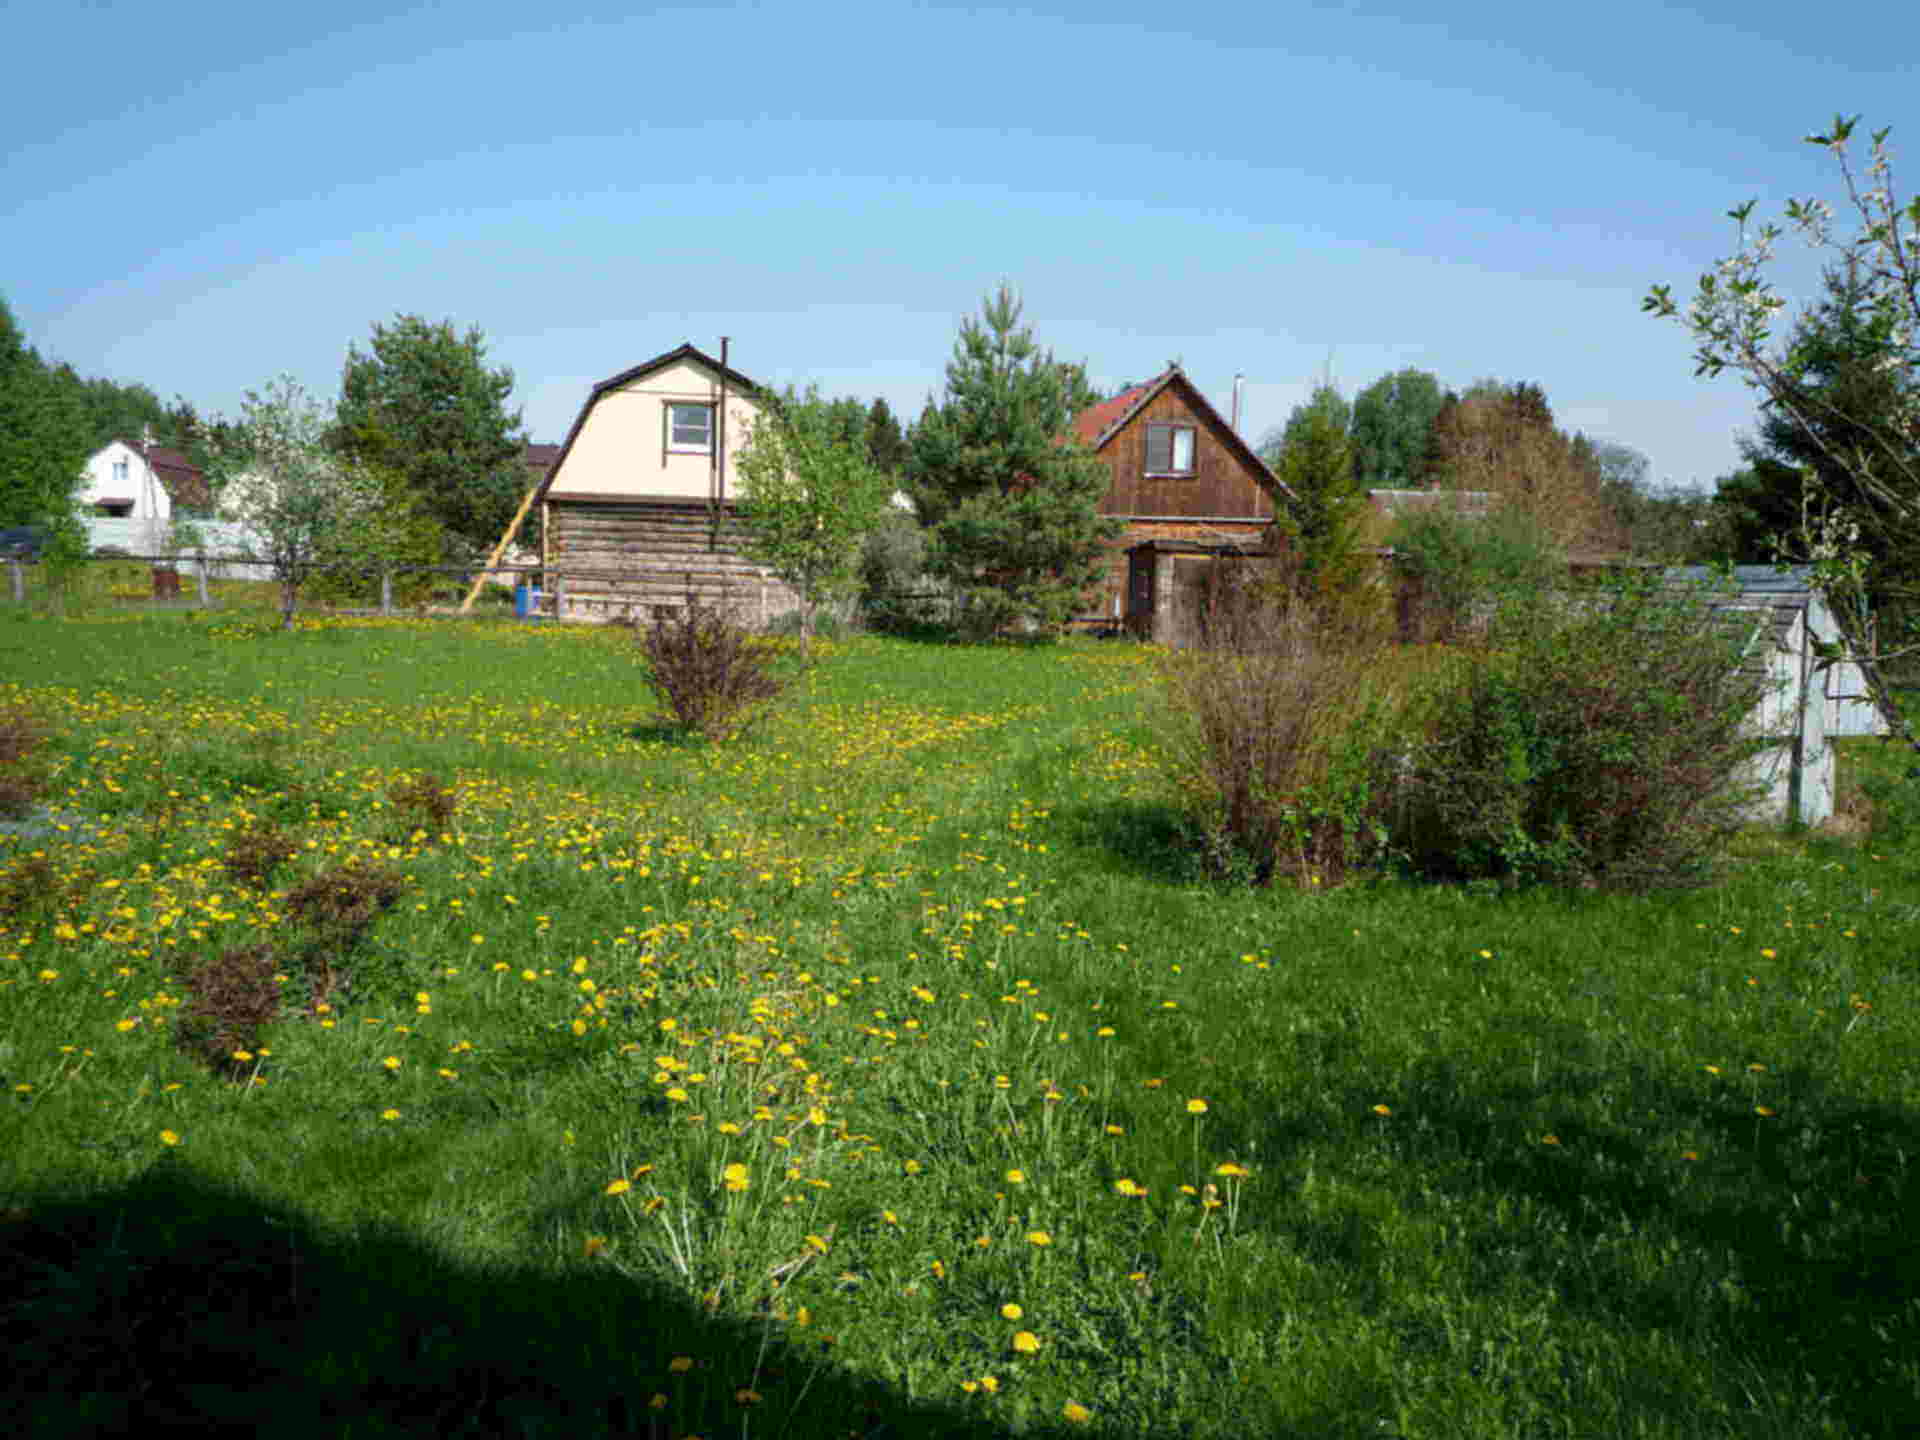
894 1071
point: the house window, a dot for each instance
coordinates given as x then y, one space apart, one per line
1169 449
119 472
690 429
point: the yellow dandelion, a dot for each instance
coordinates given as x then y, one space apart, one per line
1383 1110
1039 1237
680 1364
1196 1106
618 1187
736 1177
389 1114
1076 1413
1129 1187
595 1245
1011 1311
1232 1171
1016 1177
1025 1342
169 1137
392 1062
990 1384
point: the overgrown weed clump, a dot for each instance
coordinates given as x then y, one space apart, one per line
23 738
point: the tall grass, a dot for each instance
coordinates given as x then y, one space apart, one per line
895 1071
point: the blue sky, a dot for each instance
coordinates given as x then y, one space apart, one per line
200 196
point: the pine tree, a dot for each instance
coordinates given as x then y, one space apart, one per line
1012 501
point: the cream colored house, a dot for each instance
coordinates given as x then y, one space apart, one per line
637 508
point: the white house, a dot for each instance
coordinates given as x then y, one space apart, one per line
130 492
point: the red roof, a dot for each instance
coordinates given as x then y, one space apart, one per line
178 475
1094 422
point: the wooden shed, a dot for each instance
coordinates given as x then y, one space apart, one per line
1809 701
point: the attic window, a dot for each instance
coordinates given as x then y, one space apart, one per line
690 429
1170 449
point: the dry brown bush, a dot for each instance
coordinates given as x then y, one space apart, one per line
714 676
1278 710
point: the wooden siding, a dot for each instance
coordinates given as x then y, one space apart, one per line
1222 486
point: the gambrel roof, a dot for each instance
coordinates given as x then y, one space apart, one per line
740 384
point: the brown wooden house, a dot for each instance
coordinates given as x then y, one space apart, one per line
1180 474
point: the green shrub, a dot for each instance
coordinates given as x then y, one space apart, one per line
713 676
1599 738
894 584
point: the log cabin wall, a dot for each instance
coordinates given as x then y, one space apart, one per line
628 559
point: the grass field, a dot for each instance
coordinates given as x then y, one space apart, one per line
894 1071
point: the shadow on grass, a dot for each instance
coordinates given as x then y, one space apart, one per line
1152 840
1787 1245
173 1303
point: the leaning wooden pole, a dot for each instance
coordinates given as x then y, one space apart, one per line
519 518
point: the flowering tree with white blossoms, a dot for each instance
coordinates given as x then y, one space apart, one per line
1732 315
304 508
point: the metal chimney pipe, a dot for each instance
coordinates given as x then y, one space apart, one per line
1238 381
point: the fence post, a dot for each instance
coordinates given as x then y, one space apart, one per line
19 582
559 598
386 592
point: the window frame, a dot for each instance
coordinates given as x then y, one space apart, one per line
1173 429
673 447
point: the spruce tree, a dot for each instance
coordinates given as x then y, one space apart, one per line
1011 499
1314 458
